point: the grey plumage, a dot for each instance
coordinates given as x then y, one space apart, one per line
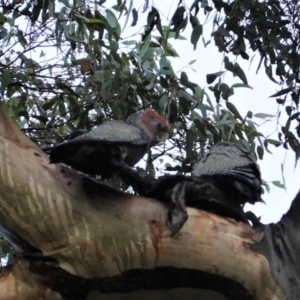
127 141
233 169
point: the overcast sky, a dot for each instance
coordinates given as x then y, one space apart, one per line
209 60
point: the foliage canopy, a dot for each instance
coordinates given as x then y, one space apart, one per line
66 66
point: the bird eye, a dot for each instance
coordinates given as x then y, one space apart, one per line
159 126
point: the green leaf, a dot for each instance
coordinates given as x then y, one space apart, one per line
74 108
2 19
173 113
163 101
226 91
190 138
210 78
228 65
23 77
295 116
192 62
21 38
285 129
255 133
282 92
134 16
129 43
117 111
274 142
22 113
185 81
177 18
184 78
240 73
93 21
260 152
36 10
244 55
158 26
267 188
61 108
263 115
66 3
297 130
269 72
111 19
280 101
48 104
163 82
152 19
195 6
238 131
156 45
196 33
5 81
241 85
65 87
194 21
171 52
278 184
184 106
145 48
40 118
114 46
288 110
83 119
217 92
249 114
172 35
200 126
233 110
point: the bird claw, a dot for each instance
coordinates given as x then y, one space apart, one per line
176 219
177 215
253 218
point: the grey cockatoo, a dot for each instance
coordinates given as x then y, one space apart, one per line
233 169
126 141
222 180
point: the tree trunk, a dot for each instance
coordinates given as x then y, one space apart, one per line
79 238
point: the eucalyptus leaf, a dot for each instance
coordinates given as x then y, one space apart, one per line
263 115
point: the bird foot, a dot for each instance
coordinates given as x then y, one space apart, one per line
253 218
141 184
145 185
177 215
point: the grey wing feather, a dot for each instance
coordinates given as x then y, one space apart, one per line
116 131
232 168
230 160
223 158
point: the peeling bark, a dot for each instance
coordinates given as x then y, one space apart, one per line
83 239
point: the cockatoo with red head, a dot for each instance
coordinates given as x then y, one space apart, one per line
127 141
